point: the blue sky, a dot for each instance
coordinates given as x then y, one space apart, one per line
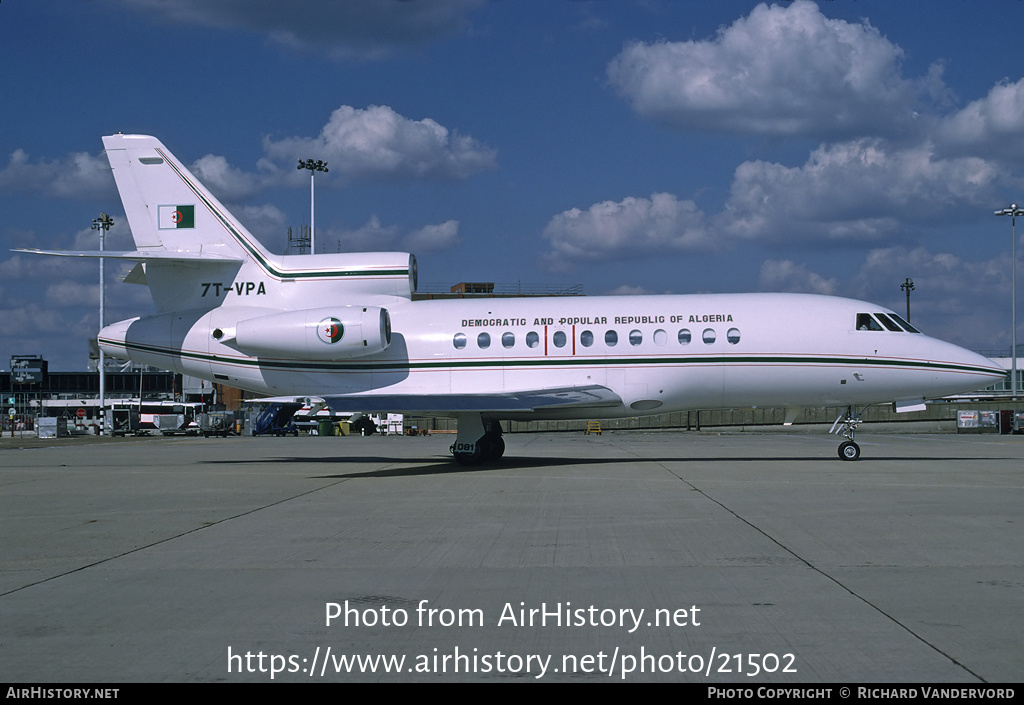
630 147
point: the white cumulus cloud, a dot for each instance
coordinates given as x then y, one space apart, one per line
788 276
378 143
374 236
864 189
226 181
78 175
628 228
992 126
370 237
433 238
778 71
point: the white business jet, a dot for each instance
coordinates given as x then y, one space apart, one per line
342 331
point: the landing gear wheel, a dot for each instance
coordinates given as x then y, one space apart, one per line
472 449
488 448
494 447
849 451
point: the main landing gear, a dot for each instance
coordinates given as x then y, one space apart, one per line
478 441
847 424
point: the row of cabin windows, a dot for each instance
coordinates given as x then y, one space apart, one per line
611 338
889 321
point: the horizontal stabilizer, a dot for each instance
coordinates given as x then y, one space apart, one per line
138 255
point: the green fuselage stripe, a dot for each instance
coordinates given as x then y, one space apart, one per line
398 365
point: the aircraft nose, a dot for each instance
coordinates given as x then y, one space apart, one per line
974 366
994 369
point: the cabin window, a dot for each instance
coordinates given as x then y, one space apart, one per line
684 337
508 339
483 341
459 341
866 322
660 337
733 336
611 338
709 335
635 337
532 339
586 338
559 339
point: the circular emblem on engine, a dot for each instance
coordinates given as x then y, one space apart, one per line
330 330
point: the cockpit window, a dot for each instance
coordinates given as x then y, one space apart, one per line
906 326
866 322
888 323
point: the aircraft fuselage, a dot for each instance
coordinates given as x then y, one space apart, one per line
657 353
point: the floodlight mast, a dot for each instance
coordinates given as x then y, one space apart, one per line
1013 211
314 165
908 286
103 223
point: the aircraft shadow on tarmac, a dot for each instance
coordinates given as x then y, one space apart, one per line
408 467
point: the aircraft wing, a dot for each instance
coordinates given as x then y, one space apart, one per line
533 400
137 255
592 396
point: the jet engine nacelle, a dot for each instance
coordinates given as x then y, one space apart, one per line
332 333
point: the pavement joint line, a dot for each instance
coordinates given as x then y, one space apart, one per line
822 573
167 539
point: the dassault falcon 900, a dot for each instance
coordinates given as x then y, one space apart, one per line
342 330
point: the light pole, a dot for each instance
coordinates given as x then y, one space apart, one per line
314 166
103 224
908 286
1013 211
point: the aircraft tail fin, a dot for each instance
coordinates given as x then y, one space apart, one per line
196 255
168 208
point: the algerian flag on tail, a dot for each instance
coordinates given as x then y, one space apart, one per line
173 217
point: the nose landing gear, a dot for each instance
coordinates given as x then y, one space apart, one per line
847 424
849 450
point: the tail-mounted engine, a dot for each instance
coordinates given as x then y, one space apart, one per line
331 333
